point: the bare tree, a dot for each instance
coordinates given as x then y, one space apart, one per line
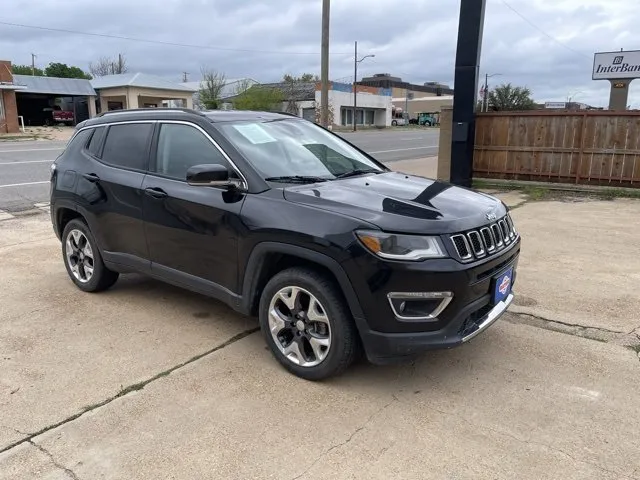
294 88
211 88
109 66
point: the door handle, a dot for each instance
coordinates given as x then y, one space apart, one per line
155 192
92 177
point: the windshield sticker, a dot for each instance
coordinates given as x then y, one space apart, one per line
254 133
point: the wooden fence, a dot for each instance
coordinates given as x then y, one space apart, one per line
591 147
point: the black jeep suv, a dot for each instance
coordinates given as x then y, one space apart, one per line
282 219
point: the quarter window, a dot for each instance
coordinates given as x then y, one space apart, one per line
127 145
96 141
181 147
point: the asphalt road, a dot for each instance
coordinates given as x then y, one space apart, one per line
24 166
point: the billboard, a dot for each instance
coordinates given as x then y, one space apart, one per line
556 105
612 65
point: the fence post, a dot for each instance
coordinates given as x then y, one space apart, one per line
582 141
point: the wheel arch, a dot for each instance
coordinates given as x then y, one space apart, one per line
268 258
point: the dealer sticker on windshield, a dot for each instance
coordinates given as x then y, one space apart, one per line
502 287
254 133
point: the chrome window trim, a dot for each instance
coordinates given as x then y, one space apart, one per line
445 297
182 122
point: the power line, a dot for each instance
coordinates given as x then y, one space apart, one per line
161 42
551 37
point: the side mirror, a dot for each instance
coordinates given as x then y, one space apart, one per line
211 175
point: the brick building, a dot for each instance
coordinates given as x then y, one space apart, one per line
8 108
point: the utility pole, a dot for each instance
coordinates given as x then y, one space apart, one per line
485 99
33 64
356 61
485 94
355 82
324 67
184 77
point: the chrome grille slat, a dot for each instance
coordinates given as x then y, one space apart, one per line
487 238
485 241
475 241
461 245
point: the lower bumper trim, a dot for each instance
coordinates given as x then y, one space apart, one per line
494 314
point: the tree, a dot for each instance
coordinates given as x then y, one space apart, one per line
26 70
109 66
318 114
62 70
294 89
210 88
259 97
508 97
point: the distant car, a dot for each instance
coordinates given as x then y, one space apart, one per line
284 220
62 116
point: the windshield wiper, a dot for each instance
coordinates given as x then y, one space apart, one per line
296 179
353 173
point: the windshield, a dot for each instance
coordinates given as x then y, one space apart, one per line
295 148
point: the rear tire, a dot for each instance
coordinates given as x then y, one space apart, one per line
82 258
394 123
307 324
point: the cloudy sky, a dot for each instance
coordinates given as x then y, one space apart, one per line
546 45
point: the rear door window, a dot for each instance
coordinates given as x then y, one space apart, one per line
127 145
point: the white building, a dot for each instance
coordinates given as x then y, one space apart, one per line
374 105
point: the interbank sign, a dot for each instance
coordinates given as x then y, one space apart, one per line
612 65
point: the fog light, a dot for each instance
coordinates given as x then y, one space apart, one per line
418 306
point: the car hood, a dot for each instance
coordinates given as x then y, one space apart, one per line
396 202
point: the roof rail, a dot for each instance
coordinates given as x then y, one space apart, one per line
149 110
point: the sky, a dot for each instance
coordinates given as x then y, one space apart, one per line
546 45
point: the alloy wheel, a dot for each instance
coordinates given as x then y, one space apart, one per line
79 256
300 326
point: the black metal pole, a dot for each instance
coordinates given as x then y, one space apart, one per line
355 79
466 90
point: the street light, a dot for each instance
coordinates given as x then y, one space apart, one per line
355 80
485 101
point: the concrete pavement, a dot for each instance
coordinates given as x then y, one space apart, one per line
24 166
148 381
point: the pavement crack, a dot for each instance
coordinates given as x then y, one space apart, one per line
349 438
70 473
131 388
567 324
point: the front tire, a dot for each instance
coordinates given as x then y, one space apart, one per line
307 324
82 259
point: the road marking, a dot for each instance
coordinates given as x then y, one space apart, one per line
404 149
23 184
26 161
31 150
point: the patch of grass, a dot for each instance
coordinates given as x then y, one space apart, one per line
613 193
536 193
12 138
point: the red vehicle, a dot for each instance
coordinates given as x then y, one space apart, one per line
62 116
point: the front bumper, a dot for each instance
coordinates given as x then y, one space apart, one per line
387 337
383 348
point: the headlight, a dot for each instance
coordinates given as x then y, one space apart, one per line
401 247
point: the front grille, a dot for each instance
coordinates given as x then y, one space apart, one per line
476 244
